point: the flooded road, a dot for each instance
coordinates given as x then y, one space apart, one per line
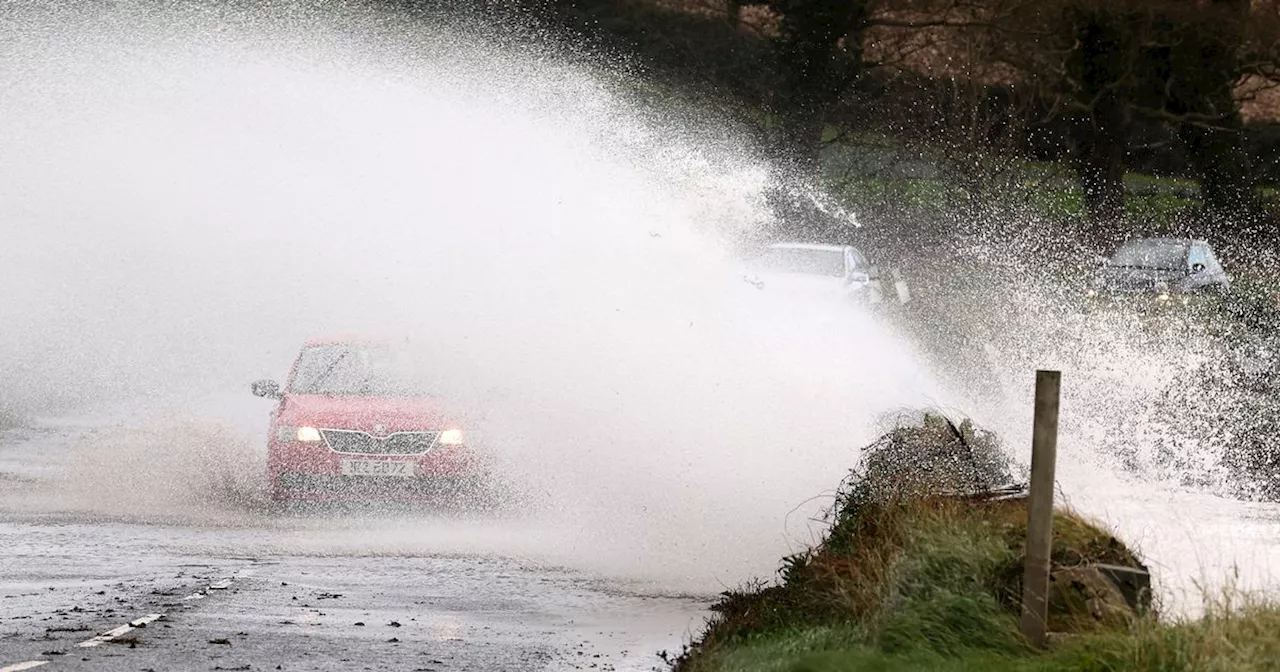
193 194
295 590
222 580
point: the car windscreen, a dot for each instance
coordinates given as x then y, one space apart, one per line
1156 254
800 260
349 369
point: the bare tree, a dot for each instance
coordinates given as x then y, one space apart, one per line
1205 51
1105 65
819 50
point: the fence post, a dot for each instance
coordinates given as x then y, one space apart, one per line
1044 448
900 285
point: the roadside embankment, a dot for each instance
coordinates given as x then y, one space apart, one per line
922 569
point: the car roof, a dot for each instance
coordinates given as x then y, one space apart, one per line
808 246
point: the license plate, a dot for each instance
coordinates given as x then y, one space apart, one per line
376 468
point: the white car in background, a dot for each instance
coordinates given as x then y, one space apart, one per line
817 270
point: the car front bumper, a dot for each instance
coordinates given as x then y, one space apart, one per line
303 486
1139 301
311 471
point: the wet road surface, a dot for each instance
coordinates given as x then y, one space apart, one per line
242 594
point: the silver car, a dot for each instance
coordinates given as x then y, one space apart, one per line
1160 269
816 269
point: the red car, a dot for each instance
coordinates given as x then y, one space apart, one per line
357 421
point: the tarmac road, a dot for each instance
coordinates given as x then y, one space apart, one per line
240 594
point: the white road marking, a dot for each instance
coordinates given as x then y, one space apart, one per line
19 667
106 636
112 634
142 622
201 594
130 626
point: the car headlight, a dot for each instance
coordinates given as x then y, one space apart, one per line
451 437
1091 292
304 434
1163 296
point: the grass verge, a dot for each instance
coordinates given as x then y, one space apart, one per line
921 569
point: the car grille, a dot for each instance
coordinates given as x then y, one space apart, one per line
1136 283
363 443
1135 286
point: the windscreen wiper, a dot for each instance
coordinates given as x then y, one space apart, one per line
315 384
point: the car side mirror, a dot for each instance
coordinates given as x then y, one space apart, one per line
266 388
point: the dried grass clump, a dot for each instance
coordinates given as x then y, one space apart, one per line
923 557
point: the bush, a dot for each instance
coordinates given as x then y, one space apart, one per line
921 565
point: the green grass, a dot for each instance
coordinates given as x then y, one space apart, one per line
1153 209
835 649
906 580
1243 639
864 170
918 193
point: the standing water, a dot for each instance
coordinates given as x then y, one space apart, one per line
187 194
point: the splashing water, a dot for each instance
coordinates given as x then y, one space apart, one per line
193 194
189 193
1155 413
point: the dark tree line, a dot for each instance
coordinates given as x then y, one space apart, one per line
1095 85
1109 65
1095 70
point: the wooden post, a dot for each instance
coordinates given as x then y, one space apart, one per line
1044 448
900 285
